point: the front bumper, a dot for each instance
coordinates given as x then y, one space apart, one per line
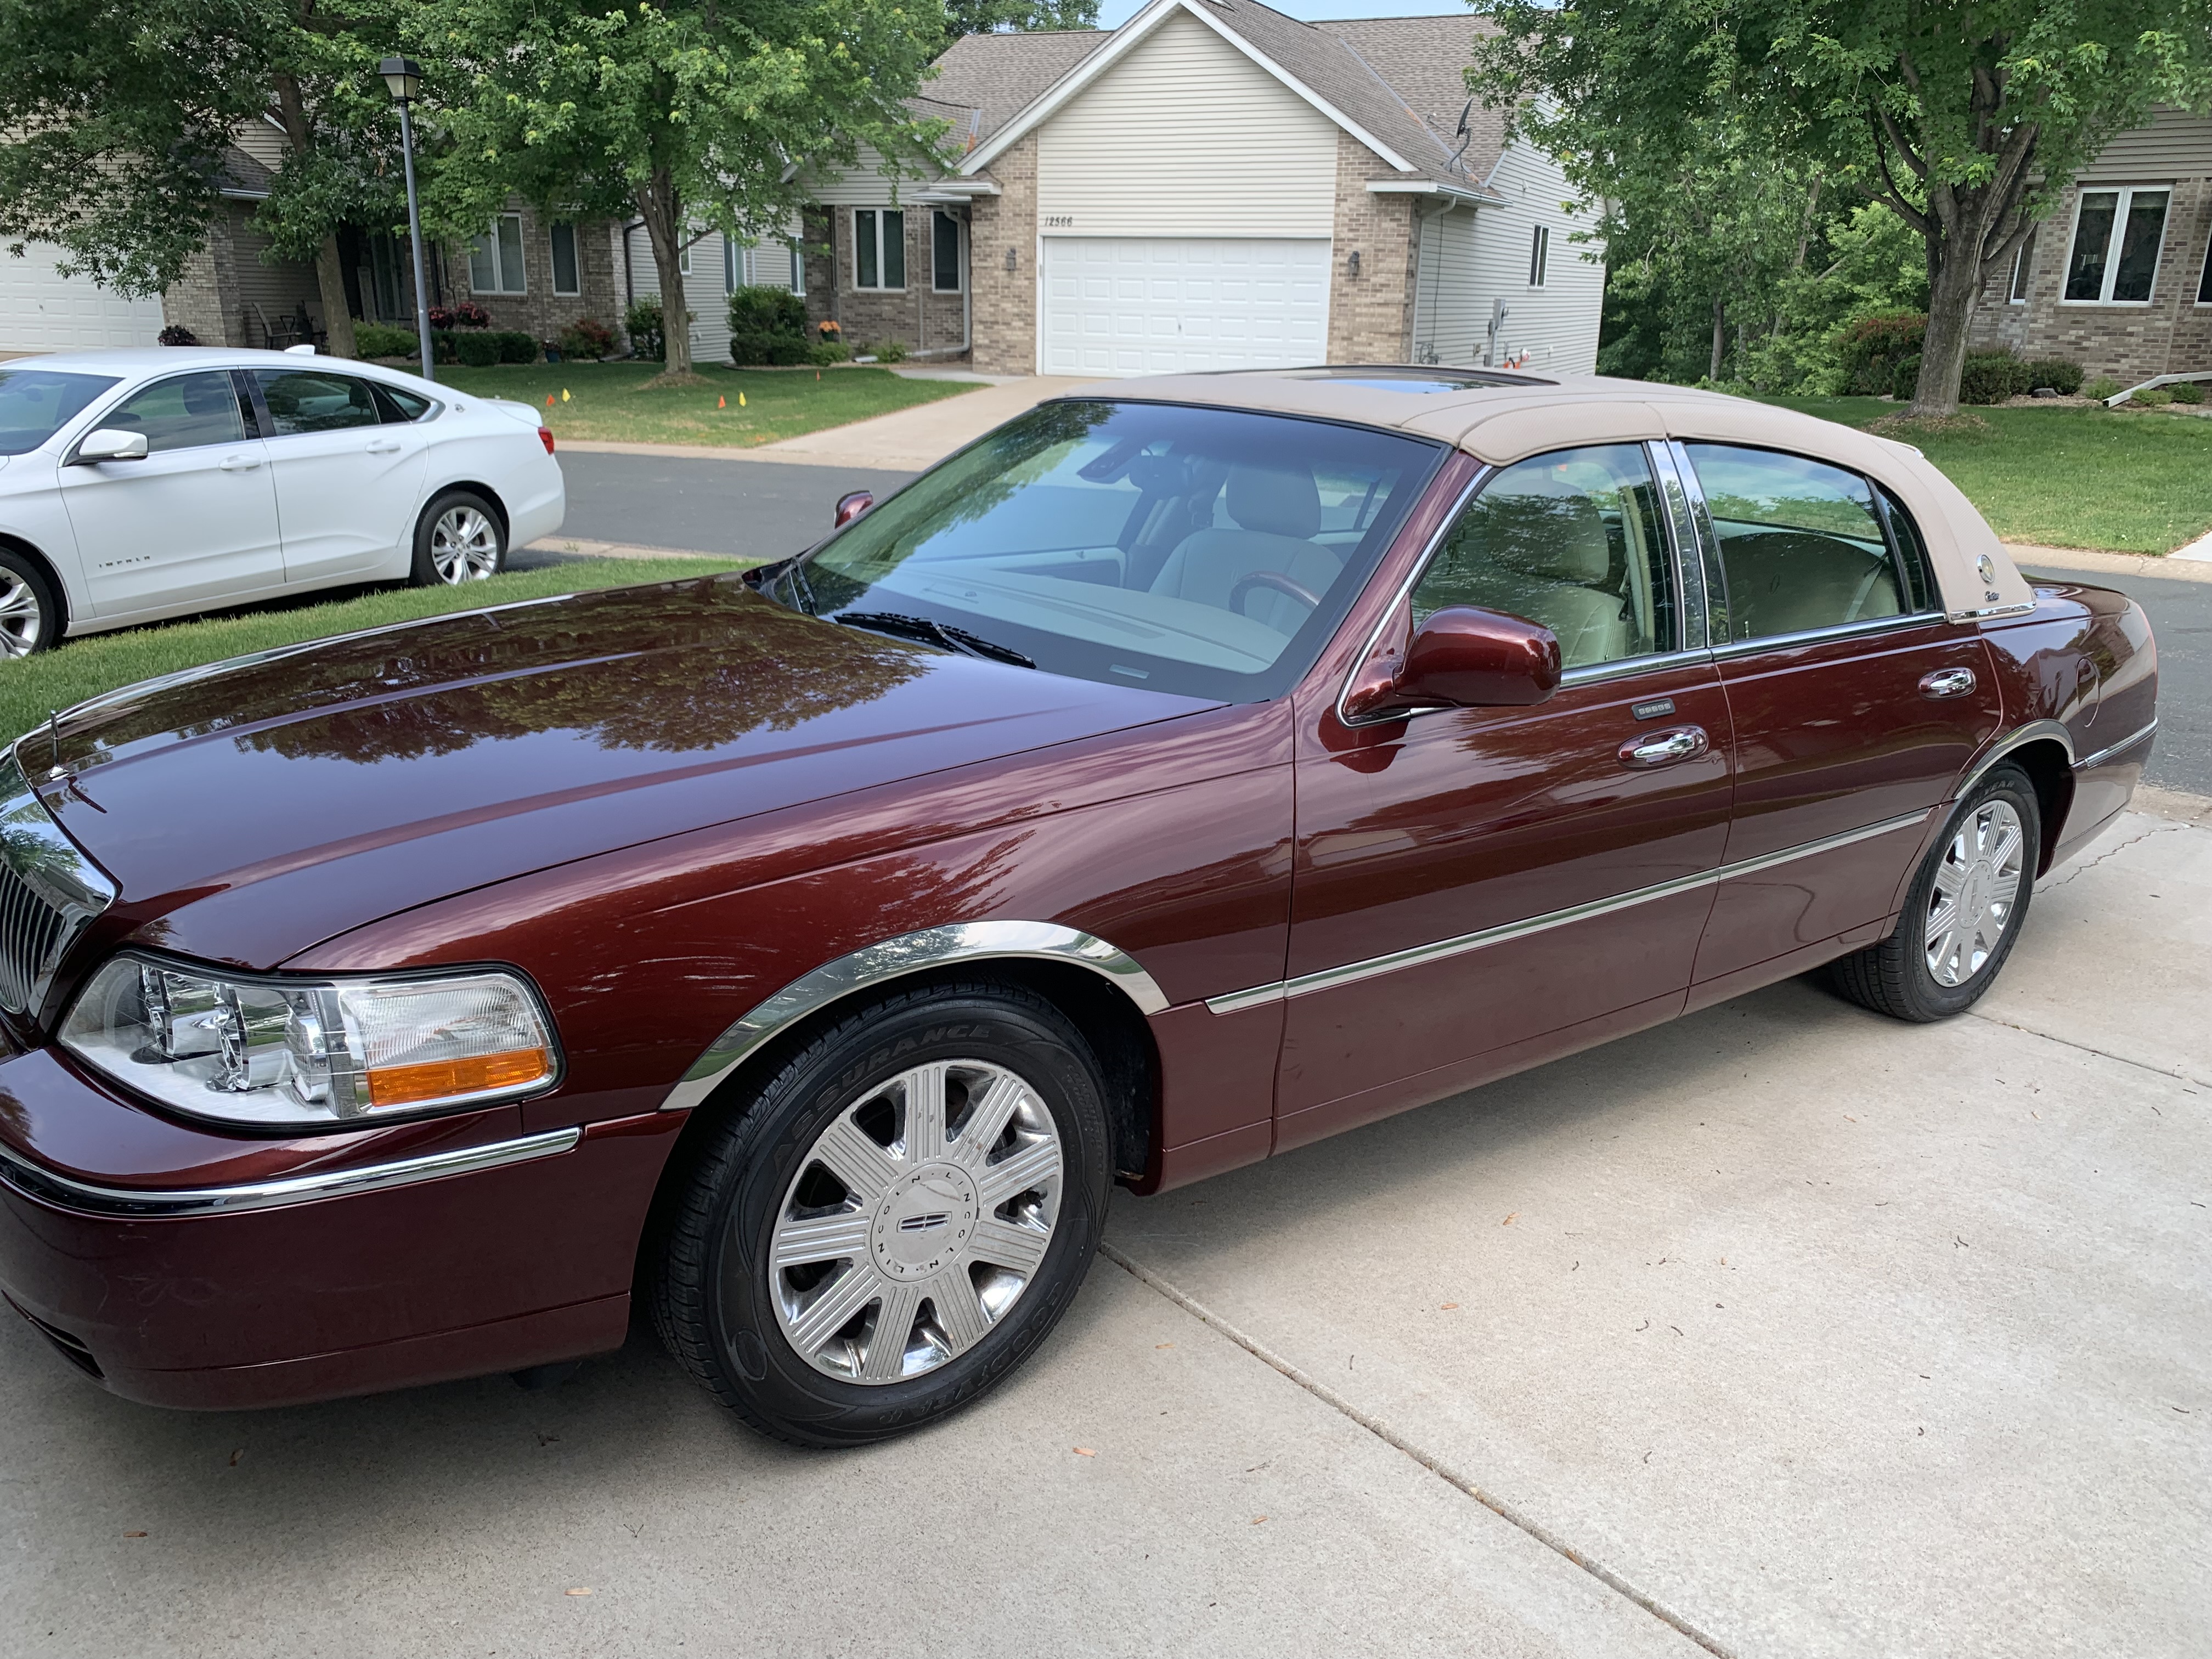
184 1267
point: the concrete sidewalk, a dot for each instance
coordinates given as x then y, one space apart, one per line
1782 1330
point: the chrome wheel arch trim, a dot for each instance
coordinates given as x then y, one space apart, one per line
896 958
2019 738
35 1181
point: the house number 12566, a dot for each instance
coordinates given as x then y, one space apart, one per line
1059 219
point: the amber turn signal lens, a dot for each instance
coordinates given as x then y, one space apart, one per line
402 1085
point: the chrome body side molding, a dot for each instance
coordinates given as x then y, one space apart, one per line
2110 750
893 958
1328 978
66 1192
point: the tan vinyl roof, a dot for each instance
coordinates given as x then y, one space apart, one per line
1505 423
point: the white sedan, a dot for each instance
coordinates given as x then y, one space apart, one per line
136 485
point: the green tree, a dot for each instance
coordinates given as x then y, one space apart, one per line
1966 121
990 16
691 115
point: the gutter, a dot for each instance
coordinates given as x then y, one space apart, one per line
1473 195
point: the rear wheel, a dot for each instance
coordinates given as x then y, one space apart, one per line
30 610
894 1220
457 540
1963 912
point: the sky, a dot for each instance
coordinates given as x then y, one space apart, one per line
1112 13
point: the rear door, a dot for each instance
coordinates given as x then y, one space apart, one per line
194 522
348 480
1855 705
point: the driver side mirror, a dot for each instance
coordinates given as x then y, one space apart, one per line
109 445
850 507
1460 657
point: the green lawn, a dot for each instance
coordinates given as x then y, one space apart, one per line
33 687
2068 477
610 401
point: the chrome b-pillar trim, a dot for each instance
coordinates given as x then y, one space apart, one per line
34 1179
892 958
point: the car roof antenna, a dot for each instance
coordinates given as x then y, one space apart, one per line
54 735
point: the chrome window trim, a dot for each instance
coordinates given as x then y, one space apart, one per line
1692 611
1327 979
1622 667
895 958
2106 753
35 1181
1817 635
1713 573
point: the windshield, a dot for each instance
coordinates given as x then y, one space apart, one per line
1204 552
37 402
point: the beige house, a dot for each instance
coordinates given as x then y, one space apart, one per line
2119 278
1211 186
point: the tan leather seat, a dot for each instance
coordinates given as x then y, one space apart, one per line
1790 581
1277 509
1542 555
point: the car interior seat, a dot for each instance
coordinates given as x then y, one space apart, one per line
1787 581
1277 510
1545 556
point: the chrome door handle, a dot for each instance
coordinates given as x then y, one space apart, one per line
1948 683
1665 748
239 463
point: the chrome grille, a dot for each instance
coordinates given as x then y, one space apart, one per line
49 892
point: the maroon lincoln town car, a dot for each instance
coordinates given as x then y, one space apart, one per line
1189 770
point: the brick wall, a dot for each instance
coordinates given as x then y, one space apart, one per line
543 314
1006 320
205 298
1371 316
2171 334
917 316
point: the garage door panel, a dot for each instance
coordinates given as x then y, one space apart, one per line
1170 305
43 311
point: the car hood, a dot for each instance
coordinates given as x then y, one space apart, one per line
250 809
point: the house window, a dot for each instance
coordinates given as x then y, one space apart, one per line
495 260
879 247
567 277
683 259
1540 254
2117 237
944 254
2020 262
2205 282
799 268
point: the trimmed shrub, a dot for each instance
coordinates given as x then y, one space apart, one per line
1872 347
517 345
2151 397
763 308
476 350
587 337
827 353
2186 392
646 327
1905 377
2102 387
1990 377
2056 373
769 350
383 340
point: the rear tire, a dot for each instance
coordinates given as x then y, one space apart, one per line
457 540
30 607
1963 912
892 1222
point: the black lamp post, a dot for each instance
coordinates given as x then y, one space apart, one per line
404 76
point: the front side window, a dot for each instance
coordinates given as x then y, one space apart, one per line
186 411
1204 552
37 402
2118 235
568 275
496 259
307 400
1572 540
879 247
1539 255
944 252
1801 545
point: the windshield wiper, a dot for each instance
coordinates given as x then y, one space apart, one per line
934 633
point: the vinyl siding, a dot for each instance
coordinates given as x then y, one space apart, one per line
2175 145
704 295
1470 259
862 184
1187 136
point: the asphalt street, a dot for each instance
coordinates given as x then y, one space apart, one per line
2181 619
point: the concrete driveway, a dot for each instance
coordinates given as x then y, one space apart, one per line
1782 1330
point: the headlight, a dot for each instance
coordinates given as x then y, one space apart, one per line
302 1053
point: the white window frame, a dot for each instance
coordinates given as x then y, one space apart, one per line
881 216
683 258
2114 242
2016 289
798 265
575 258
1539 255
489 244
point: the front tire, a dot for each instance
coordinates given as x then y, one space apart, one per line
894 1220
1963 912
459 540
30 609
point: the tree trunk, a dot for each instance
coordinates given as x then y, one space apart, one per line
1951 291
658 205
338 315
1720 338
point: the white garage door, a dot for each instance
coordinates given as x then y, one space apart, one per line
1157 305
43 311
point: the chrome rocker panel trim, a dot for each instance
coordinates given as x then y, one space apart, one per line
894 958
2123 744
66 1192
1327 979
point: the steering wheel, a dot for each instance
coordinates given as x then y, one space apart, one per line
1279 582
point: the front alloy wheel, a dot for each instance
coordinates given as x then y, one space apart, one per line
30 613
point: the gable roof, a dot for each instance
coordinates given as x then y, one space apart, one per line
1423 60
996 76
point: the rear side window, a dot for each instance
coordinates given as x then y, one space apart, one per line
1572 540
186 411
399 407
1800 542
308 400
1911 552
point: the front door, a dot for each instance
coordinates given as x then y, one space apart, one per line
194 522
348 481
1855 705
1478 888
